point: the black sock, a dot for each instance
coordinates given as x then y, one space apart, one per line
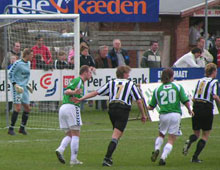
200 145
24 118
111 147
192 138
14 119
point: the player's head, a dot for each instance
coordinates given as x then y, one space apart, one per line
211 70
85 72
122 72
167 75
27 54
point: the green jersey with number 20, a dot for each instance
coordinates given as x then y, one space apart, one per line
169 97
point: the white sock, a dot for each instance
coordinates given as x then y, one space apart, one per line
158 143
74 147
64 143
166 150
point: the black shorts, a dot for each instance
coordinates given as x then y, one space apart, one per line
118 114
203 117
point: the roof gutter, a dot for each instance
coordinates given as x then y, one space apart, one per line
191 10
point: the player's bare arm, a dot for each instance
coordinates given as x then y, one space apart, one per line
72 92
141 108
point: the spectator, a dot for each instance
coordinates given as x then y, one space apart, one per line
215 51
16 51
189 59
12 60
118 55
206 57
71 63
60 62
102 61
71 54
43 50
41 64
86 59
71 58
195 32
151 58
211 41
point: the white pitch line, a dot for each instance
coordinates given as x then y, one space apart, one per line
86 138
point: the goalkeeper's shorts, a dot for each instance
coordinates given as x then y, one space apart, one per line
22 97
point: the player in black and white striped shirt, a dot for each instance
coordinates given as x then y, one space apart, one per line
205 93
121 91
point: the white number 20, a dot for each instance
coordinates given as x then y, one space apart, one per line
168 96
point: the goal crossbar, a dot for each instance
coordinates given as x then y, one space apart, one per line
76 18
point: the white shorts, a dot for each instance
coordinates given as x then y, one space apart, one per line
170 123
70 117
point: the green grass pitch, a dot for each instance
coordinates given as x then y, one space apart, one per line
36 151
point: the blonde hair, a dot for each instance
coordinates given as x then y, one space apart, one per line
121 70
210 68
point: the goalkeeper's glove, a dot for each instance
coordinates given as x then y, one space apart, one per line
29 88
18 89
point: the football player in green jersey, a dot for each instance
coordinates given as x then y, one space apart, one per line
168 96
70 117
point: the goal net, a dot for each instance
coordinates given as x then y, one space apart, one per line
50 73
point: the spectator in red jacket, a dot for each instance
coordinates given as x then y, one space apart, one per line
41 49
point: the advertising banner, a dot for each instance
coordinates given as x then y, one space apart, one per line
179 73
91 10
49 85
189 87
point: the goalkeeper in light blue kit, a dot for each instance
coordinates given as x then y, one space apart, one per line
19 75
168 96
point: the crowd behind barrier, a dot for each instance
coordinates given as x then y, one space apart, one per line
48 85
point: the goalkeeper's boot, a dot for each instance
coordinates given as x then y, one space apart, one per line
162 162
11 131
60 157
186 147
107 162
154 155
75 162
22 131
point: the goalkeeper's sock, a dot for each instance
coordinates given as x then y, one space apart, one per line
24 118
64 143
200 145
158 143
111 148
74 145
166 151
14 118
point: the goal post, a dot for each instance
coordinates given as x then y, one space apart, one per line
24 28
76 18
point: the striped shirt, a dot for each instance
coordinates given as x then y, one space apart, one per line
121 90
205 89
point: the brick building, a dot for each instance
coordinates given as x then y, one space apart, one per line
172 30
